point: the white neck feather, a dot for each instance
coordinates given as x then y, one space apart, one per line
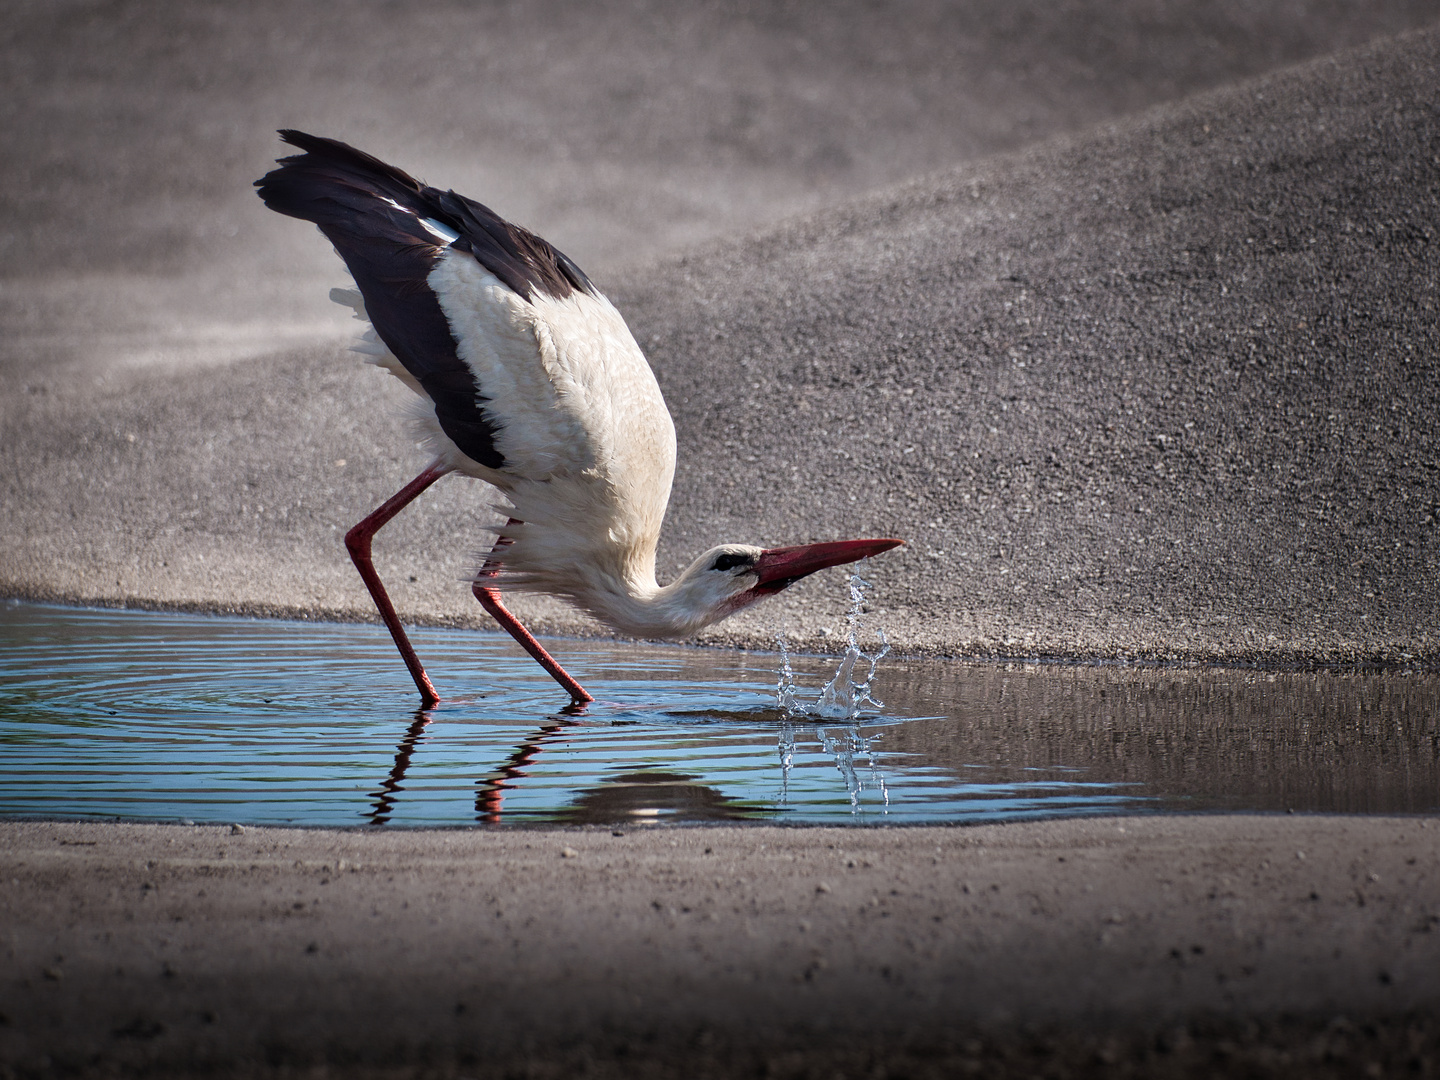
617 585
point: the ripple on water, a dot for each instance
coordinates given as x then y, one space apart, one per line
150 716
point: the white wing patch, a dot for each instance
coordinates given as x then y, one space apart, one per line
588 443
494 331
437 229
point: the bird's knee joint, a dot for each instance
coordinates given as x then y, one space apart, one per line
357 542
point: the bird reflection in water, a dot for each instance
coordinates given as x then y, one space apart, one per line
490 791
391 785
641 797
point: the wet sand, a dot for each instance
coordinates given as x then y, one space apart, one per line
1160 946
1142 365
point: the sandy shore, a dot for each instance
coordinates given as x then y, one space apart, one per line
1164 946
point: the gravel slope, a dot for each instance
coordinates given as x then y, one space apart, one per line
1163 389
618 129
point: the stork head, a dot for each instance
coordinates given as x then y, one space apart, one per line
731 577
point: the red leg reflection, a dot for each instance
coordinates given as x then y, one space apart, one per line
492 789
391 785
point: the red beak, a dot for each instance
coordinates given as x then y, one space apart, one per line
779 568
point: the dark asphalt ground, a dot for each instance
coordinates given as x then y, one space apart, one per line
1123 315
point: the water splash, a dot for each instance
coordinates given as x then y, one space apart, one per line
843 697
844 746
787 688
786 749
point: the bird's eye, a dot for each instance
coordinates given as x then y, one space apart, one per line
729 561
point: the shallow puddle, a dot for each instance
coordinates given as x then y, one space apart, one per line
159 717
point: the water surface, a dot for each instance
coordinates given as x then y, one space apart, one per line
163 717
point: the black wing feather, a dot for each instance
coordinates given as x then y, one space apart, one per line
390 254
518 257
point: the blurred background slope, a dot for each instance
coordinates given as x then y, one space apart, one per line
617 130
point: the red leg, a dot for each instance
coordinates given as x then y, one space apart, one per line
490 601
357 541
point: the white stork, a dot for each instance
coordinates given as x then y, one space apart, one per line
530 380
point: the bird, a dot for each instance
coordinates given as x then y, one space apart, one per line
529 379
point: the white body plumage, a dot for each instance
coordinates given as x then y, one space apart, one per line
588 442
